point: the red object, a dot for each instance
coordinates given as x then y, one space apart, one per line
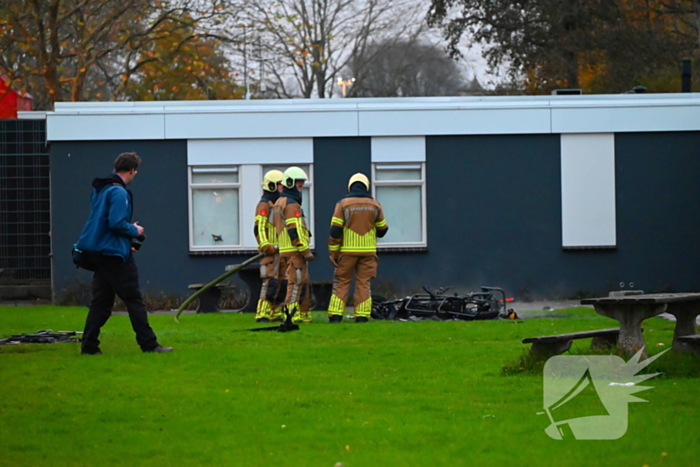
297 214
12 101
263 212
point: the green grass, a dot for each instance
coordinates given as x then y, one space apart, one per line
379 394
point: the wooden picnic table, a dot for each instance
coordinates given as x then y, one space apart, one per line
631 310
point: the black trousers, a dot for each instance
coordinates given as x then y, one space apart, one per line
114 276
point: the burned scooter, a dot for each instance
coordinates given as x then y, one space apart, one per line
490 303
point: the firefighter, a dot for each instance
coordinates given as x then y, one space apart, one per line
357 221
293 235
266 236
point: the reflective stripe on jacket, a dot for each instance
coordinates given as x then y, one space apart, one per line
290 226
266 234
360 219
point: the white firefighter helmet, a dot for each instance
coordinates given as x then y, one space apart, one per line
271 179
359 177
292 174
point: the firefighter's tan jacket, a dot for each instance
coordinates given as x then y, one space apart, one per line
265 232
290 226
361 219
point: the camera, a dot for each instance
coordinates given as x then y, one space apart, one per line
136 242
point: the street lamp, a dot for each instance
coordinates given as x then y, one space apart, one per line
345 84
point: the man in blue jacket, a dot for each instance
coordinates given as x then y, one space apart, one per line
107 240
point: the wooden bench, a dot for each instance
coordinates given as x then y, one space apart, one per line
209 300
691 343
555 345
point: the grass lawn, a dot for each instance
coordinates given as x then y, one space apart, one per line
377 394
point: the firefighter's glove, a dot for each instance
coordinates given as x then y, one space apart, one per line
269 250
308 257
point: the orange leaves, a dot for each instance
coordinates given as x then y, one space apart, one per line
190 66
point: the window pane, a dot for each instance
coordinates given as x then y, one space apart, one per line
397 174
305 203
215 213
214 175
403 211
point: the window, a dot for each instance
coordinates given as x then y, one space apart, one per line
400 189
214 208
222 205
306 193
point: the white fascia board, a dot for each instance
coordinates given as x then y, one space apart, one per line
31 114
626 119
375 117
398 149
250 151
66 127
269 106
78 106
454 122
260 125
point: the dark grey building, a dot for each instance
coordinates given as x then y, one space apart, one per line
544 196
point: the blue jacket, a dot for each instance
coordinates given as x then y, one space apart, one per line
108 231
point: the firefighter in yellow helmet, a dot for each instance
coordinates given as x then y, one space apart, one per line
293 234
357 221
266 236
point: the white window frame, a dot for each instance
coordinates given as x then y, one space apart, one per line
190 204
421 183
249 188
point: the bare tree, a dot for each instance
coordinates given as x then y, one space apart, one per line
407 68
313 40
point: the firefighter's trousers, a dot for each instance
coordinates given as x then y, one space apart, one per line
364 268
273 275
298 288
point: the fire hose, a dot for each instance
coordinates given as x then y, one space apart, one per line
213 283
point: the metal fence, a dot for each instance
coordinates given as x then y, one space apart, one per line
25 210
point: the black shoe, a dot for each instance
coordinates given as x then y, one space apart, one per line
262 320
159 349
361 319
335 318
94 352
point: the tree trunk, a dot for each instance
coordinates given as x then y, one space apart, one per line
78 84
320 83
696 7
571 70
48 59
